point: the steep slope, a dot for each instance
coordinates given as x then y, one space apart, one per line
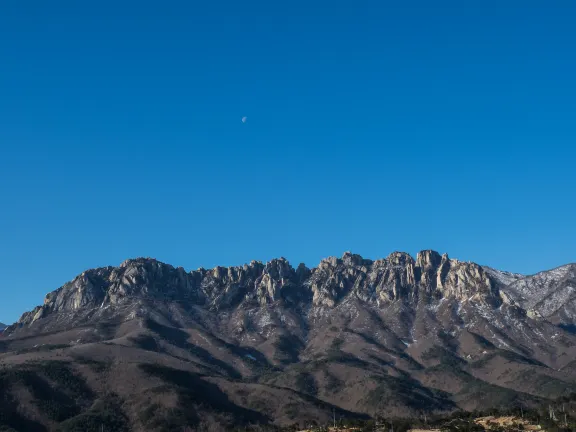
550 294
503 278
395 336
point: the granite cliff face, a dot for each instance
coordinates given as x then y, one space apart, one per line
398 278
393 336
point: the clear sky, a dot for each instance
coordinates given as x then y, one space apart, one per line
372 126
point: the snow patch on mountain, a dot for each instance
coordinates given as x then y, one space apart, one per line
549 289
504 278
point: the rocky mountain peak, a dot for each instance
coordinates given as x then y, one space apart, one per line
279 268
139 261
331 261
429 321
466 281
397 278
350 259
400 259
429 259
302 273
550 294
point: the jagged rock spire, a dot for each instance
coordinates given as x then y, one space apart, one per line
396 278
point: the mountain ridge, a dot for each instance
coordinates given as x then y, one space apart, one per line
424 334
425 259
262 264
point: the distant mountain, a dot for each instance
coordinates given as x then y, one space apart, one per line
550 294
2 326
147 344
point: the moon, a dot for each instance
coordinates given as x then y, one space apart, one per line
244 119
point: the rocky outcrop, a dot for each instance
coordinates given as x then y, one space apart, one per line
550 294
400 278
465 281
397 278
410 328
404 327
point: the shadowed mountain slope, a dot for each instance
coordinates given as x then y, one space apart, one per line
270 343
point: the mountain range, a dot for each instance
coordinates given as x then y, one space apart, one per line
146 346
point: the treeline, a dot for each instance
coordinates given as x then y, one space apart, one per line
555 416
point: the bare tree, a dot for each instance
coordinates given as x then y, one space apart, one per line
551 412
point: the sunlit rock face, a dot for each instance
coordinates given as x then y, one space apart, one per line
425 326
413 298
396 278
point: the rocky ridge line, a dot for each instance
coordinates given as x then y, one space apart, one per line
397 278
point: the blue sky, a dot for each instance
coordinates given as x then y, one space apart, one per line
372 126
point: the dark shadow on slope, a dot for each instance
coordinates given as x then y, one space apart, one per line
149 343
408 393
296 377
482 341
107 329
370 340
306 383
56 390
288 349
105 414
450 342
443 356
485 395
196 396
146 342
254 357
97 366
55 404
448 372
179 338
508 355
547 386
10 417
12 421
327 407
